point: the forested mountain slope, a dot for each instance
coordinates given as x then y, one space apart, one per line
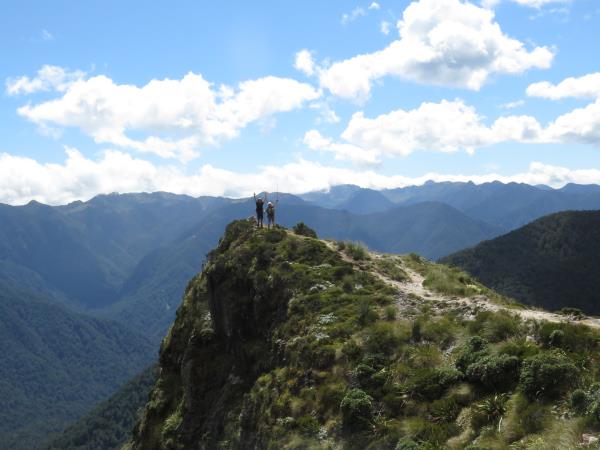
553 262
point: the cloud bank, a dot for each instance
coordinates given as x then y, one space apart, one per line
79 178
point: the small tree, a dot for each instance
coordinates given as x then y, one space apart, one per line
302 229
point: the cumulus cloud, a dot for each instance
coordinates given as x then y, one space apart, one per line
175 117
442 42
78 178
587 86
448 126
374 5
304 62
48 78
582 125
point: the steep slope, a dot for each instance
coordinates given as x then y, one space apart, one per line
553 262
56 365
108 425
84 252
288 342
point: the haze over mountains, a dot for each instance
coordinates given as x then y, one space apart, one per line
125 260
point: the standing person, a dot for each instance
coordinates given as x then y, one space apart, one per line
270 215
260 203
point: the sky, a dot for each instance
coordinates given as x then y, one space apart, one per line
231 98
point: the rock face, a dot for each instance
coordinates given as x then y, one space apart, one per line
224 337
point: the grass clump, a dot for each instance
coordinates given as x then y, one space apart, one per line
355 250
449 281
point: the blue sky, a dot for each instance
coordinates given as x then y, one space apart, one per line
231 97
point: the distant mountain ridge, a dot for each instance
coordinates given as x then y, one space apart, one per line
553 262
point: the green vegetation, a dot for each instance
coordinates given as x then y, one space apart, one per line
282 344
301 229
552 262
56 365
109 425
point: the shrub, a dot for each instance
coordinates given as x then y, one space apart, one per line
472 351
430 384
357 410
494 372
308 425
546 375
407 444
382 338
390 312
574 338
351 350
324 356
302 229
579 401
363 373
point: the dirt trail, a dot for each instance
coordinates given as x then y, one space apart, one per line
414 286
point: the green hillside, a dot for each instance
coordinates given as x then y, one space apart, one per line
553 262
290 342
109 424
56 365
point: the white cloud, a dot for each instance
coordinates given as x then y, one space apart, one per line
587 86
385 27
315 141
580 126
49 78
78 178
177 117
512 105
304 62
530 3
326 114
448 126
442 42
353 15
374 5
451 126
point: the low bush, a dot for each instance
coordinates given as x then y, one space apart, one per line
430 384
407 444
547 375
472 351
357 410
494 372
302 229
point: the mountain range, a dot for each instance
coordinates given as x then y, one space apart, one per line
124 260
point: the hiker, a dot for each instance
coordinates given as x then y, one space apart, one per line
270 215
260 202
